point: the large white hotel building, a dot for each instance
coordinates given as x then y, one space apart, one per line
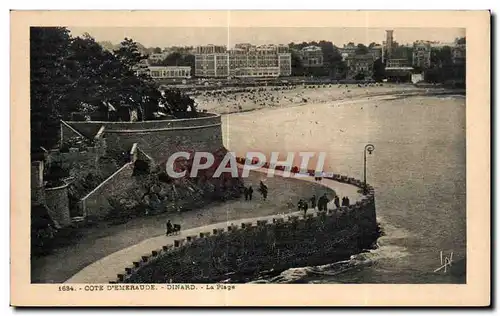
244 60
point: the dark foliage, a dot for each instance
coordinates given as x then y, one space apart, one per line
359 76
177 59
69 75
332 60
378 70
49 82
361 49
55 174
141 167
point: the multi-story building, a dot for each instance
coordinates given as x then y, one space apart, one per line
169 72
211 61
244 60
422 54
221 65
360 64
311 56
376 51
285 64
396 63
211 49
348 50
458 54
282 49
243 46
389 44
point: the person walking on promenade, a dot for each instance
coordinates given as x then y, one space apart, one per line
336 201
169 227
345 201
313 202
320 203
323 203
250 193
263 190
245 191
304 207
300 205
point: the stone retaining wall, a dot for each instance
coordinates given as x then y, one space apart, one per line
57 201
96 203
159 139
245 250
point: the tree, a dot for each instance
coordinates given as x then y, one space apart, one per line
69 75
188 60
129 54
173 59
157 50
341 70
178 59
49 83
178 104
361 49
296 64
460 41
327 49
96 74
372 44
135 87
441 57
378 70
107 45
331 56
359 76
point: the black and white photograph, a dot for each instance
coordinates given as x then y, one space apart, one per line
177 158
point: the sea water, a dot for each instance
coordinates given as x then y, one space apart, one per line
417 169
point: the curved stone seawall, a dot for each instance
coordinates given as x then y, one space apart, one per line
240 252
159 139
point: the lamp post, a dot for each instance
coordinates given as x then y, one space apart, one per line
368 148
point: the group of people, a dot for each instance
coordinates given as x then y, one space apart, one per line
238 100
321 203
345 201
248 191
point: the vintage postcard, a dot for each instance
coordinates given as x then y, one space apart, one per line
250 158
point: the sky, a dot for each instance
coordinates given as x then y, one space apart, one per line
193 36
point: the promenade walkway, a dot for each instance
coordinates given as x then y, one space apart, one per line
107 268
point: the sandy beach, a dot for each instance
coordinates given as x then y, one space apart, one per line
225 102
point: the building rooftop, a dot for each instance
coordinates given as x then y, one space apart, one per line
168 67
311 49
361 57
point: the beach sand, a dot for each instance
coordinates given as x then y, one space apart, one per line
228 102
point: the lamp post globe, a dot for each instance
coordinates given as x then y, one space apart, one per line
368 148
